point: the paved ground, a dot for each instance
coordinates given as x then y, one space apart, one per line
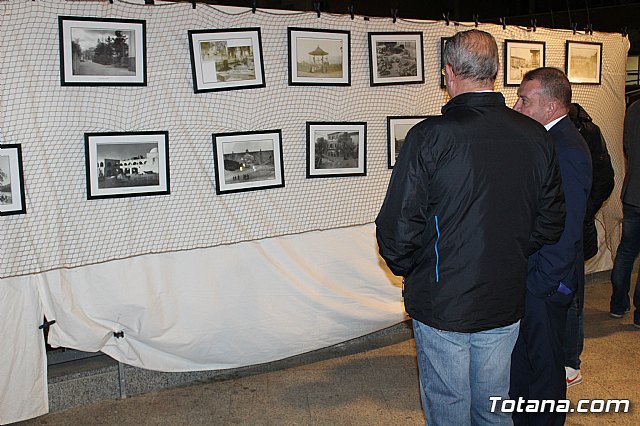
375 383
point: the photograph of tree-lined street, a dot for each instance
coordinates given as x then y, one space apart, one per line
5 180
103 52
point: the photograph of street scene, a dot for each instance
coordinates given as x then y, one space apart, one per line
5 180
336 150
125 165
319 57
396 58
400 131
102 52
522 59
584 63
248 161
227 60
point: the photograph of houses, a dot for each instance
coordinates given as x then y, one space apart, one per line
124 165
336 150
584 62
227 60
520 58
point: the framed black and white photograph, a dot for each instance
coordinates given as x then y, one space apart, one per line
12 200
248 161
127 164
584 62
443 43
336 149
319 57
102 52
397 129
396 58
521 57
226 59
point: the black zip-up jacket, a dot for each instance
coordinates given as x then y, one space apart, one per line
473 193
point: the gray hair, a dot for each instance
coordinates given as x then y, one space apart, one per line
554 84
473 55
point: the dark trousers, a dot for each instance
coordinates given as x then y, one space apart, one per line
537 361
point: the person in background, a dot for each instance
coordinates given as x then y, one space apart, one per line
630 242
473 193
556 271
601 187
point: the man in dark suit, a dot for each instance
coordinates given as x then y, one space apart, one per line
556 271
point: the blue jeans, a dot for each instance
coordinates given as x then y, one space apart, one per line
574 335
460 371
623 265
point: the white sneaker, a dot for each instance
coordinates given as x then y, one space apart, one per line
573 376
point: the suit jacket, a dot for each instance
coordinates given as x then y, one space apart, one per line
563 262
631 140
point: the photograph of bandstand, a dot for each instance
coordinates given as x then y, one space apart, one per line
319 57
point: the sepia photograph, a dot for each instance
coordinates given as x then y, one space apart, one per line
96 52
443 43
319 57
247 161
336 149
226 59
12 199
584 62
521 57
126 164
397 129
396 58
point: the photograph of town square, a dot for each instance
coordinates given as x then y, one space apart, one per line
248 161
336 150
5 180
522 58
122 165
319 57
396 58
584 62
227 60
103 52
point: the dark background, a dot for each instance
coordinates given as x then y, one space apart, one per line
605 16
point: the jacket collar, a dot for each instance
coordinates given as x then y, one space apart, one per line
475 99
561 124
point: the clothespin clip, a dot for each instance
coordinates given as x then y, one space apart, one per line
350 11
589 29
45 325
503 21
193 4
574 27
253 6
624 31
475 19
316 6
118 334
149 2
394 14
445 15
534 21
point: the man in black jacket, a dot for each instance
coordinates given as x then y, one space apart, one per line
473 193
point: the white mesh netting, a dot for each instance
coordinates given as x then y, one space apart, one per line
63 229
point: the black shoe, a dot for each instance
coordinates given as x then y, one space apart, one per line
618 316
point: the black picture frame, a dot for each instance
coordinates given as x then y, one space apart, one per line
343 152
396 58
127 164
443 42
319 57
12 194
248 161
583 62
397 128
101 52
233 56
521 56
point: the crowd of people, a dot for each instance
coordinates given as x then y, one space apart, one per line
489 217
